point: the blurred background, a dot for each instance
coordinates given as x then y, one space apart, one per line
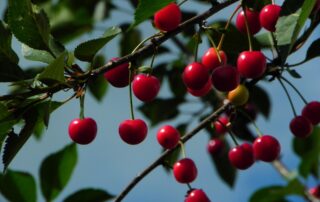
110 164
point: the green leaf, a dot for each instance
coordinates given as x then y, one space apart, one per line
313 50
54 72
146 9
5 44
261 99
29 24
87 50
89 194
222 164
56 170
154 110
129 40
14 142
9 71
176 84
294 73
265 39
18 186
276 193
36 55
98 86
308 150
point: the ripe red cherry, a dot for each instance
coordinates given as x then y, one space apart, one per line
241 156
197 195
203 91
168 18
251 64
133 131
301 127
225 78
82 131
195 76
215 146
266 148
220 126
252 19
315 191
211 60
185 170
269 16
118 76
145 87
312 112
168 137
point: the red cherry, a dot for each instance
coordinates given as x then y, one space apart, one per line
220 126
215 146
82 131
251 64
168 18
145 87
133 131
211 60
118 76
241 156
315 191
312 112
197 195
195 76
269 16
168 137
225 78
266 148
185 170
203 91
252 19
301 127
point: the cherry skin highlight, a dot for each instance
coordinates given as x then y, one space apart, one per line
118 76
301 127
211 60
220 126
168 137
251 64
312 112
197 195
185 170
133 131
145 87
269 16
266 148
215 146
253 22
82 131
168 18
203 91
195 76
241 156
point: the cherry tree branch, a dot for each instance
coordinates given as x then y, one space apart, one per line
160 159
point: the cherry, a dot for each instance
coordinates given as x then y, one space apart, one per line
168 137
168 18
312 112
203 91
215 146
269 16
145 87
195 76
315 191
252 20
220 126
239 96
251 64
225 78
197 195
241 156
266 148
118 76
133 131
82 131
185 170
301 127
211 60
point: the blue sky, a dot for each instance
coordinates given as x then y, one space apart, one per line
110 164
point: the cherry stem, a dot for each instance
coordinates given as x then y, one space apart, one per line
288 96
153 57
295 89
182 2
145 40
183 149
130 93
253 122
227 26
213 45
82 97
189 186
230 132
197 35
247 26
